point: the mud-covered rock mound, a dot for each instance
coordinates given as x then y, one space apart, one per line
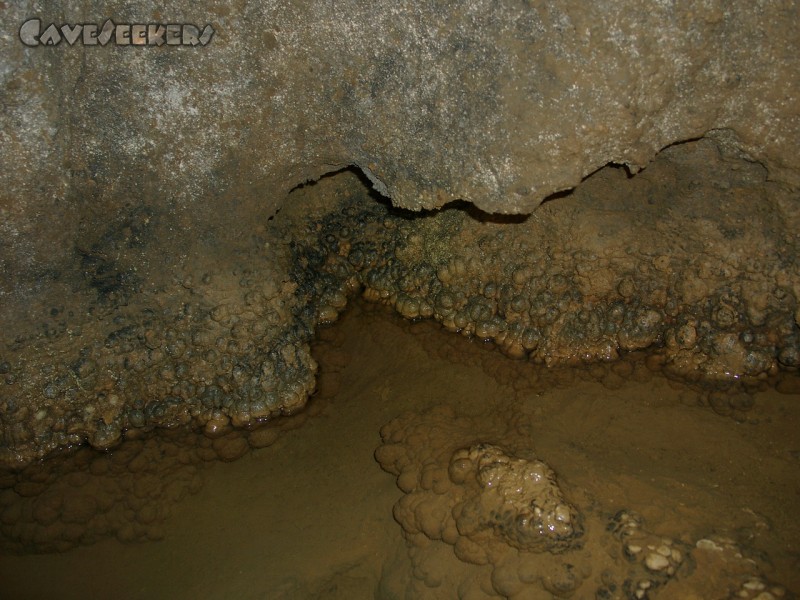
497 497
517 499
206 350
519 534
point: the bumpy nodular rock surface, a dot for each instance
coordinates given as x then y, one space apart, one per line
517 498
622 265
145 285
476 500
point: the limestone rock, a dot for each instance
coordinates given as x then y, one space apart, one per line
497 103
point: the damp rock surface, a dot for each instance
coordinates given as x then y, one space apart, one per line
159 274
516 533
622 265
498 103
519 500
122 163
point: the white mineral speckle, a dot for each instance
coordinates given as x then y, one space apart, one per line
706 544
656 562
664 551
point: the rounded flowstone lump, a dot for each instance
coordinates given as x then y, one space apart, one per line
517 499
491 504
481 514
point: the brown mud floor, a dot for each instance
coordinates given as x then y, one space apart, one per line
310 516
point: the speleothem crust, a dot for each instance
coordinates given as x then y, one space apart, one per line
648 263
519 532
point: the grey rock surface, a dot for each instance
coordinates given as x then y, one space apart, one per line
498 103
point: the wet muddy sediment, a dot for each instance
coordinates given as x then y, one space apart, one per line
652 493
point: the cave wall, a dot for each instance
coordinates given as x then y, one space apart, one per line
157 271
501 104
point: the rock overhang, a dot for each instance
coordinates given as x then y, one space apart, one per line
139 163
